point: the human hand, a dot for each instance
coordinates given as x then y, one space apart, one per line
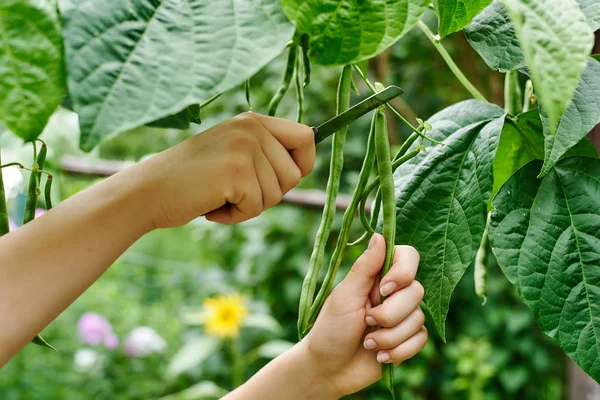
231 172
344 347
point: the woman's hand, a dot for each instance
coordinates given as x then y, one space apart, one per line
354 333
231 172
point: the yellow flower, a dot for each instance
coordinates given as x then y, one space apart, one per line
224 315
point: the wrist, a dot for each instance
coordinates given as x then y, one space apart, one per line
317 383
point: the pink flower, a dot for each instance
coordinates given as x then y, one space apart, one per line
94 329
111 341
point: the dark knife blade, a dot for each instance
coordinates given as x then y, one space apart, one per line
326 129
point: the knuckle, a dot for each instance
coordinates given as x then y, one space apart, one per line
385 320
419 289
238 165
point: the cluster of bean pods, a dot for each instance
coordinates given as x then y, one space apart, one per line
33 192
383 212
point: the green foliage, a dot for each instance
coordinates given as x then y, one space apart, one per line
442 196
32 75
591 9
133 64
556 42
347 31
582 114
545 236
493 36
454 15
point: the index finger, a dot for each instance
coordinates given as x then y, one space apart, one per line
297 139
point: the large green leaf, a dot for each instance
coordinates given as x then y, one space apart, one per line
493 36
32 76
582 115
521 142
133 62
556 41
347 31
456 14
591 9
545 235
442 195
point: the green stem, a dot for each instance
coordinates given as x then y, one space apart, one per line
446 56
237 370
4 227
513 97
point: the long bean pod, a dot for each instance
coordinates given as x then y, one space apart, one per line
481 262
48 192
305 60
342 242
4 226
285 83
300 89
41 159
247 90
388 201
33 190
333 184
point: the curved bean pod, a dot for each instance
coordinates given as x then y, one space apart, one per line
285 84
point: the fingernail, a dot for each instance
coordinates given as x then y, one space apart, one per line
387 288
372 241
383 357
371 321
369 344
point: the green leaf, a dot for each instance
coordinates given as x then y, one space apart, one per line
40 341
521 141
192 353
545 235
582 115
454 15
131 63
591 10
181 120
596 57
556 41
346 31
441 198
32 75
200 391
274 348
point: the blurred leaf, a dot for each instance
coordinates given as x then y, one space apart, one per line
192 354
442 196
181 120
131 63
556 41
346 31
545 234
200 391
591 9
580 117
262 321
454 15
274 348
514 378
32 76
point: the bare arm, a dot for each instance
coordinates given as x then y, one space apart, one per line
230 173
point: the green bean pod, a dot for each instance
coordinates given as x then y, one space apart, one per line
247 90
287 79
305 60
48 192
388 201
4 227
33 190
342 242
513 97
41 159
300 89
481 263
333 184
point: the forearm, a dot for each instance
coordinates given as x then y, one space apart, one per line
46 264
290 376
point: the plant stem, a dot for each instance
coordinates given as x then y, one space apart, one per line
237 367
513 97
446 56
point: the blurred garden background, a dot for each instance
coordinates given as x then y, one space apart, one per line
142 331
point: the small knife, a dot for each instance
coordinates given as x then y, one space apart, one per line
336 123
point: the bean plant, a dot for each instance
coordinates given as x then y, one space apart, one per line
520 182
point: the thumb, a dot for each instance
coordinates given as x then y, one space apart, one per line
359 281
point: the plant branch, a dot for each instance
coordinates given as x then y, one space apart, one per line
453 67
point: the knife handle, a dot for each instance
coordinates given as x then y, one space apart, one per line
318 139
